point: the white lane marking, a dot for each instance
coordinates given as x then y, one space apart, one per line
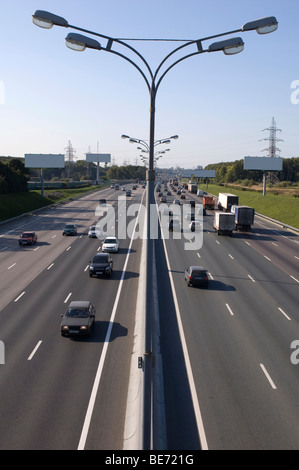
198 255
67 298
229 309
34 351
49 267
268 376
12 266
280 309
267 258
294 278
231 256
218 242
247 243
275 244
19 296
97 379
250 277
69 248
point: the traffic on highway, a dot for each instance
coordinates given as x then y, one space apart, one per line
227 302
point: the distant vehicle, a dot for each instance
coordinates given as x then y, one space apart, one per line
94 232
200 193
27 238
102 201
174 225
226 201
128 192
182 196
123 189
244 217
196 276
79 319
110 245
195 226
168 193
192 203
190 216
177 201
101 264
116 186
112 185
163 199
224 223
69 229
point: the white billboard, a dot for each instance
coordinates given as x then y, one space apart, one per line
38 160
263 163
98 157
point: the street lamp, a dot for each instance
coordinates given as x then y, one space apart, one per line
152 80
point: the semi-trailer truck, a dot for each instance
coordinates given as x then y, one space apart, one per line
224 223
244 217
226 201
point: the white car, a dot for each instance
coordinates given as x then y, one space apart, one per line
110 245
94 232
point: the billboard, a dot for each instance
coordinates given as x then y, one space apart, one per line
263 163
199 173
98 157
37 160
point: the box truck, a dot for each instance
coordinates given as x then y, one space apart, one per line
244 217
224 223
226 200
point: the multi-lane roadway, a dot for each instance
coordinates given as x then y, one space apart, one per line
228 378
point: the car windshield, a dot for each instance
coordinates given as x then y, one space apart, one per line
100 258
110 240
69 226
26 235
92 228
77 312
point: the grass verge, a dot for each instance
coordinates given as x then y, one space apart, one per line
13 205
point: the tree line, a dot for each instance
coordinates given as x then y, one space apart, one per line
231 172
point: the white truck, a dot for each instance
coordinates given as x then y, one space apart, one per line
226 201
244 217
224 223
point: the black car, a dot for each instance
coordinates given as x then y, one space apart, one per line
79 319
101 264
196 276
69 229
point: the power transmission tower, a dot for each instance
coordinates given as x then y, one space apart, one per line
272 149
70 158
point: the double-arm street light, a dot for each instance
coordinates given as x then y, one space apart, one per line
153 79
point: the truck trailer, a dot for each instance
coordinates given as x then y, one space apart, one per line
244 217
226 201
224 223
192 188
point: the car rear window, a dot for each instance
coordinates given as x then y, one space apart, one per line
199 274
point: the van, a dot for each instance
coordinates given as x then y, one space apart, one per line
200 193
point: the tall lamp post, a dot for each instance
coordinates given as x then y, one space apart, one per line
153 81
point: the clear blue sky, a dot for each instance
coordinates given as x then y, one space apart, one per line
219 105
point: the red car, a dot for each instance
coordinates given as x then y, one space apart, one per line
27 238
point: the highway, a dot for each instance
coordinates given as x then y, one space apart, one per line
229 382
58 393
237 336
